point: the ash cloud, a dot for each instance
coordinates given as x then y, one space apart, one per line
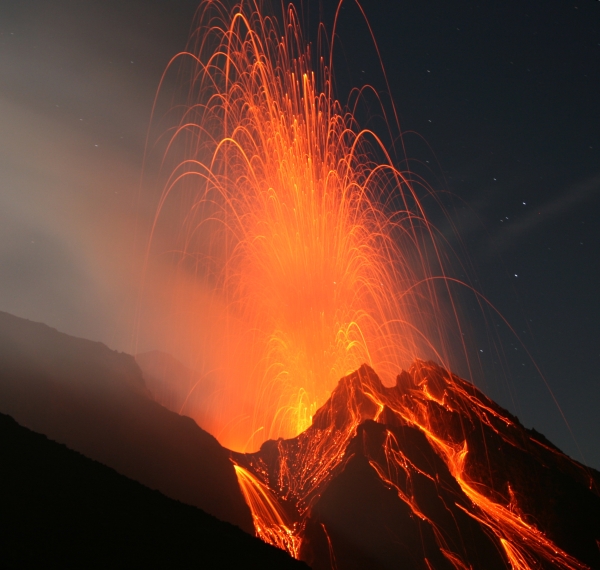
76 91
573 197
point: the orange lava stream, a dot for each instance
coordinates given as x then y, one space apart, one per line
520 540
270 522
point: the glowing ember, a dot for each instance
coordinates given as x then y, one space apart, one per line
290 231
312 255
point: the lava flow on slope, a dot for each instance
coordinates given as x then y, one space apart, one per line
429 473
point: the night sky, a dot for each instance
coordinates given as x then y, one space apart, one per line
498 103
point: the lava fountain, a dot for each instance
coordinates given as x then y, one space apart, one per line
302 253
312 250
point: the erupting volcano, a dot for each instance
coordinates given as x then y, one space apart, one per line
428 473
309 250
304 255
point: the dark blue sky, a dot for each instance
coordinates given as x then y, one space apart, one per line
502 98
506 95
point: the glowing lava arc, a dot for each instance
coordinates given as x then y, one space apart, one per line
315 255
305 253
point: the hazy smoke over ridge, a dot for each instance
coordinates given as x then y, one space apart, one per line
76 91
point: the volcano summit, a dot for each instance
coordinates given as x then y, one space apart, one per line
429 473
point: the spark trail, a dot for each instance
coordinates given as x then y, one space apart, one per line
314 249
316 256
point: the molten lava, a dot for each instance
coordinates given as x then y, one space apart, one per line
313 255
446 453
313 251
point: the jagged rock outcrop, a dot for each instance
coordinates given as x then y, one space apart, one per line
428 473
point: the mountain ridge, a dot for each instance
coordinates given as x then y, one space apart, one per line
468 484
94 400
426 473
60 508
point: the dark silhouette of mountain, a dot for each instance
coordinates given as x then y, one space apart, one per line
94 400
61 509
429 473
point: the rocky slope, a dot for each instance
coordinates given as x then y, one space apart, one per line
426 474
61 509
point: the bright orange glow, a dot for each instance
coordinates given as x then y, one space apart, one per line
303 252
308 248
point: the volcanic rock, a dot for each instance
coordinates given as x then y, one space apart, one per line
429 473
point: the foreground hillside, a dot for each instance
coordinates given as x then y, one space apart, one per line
60 509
